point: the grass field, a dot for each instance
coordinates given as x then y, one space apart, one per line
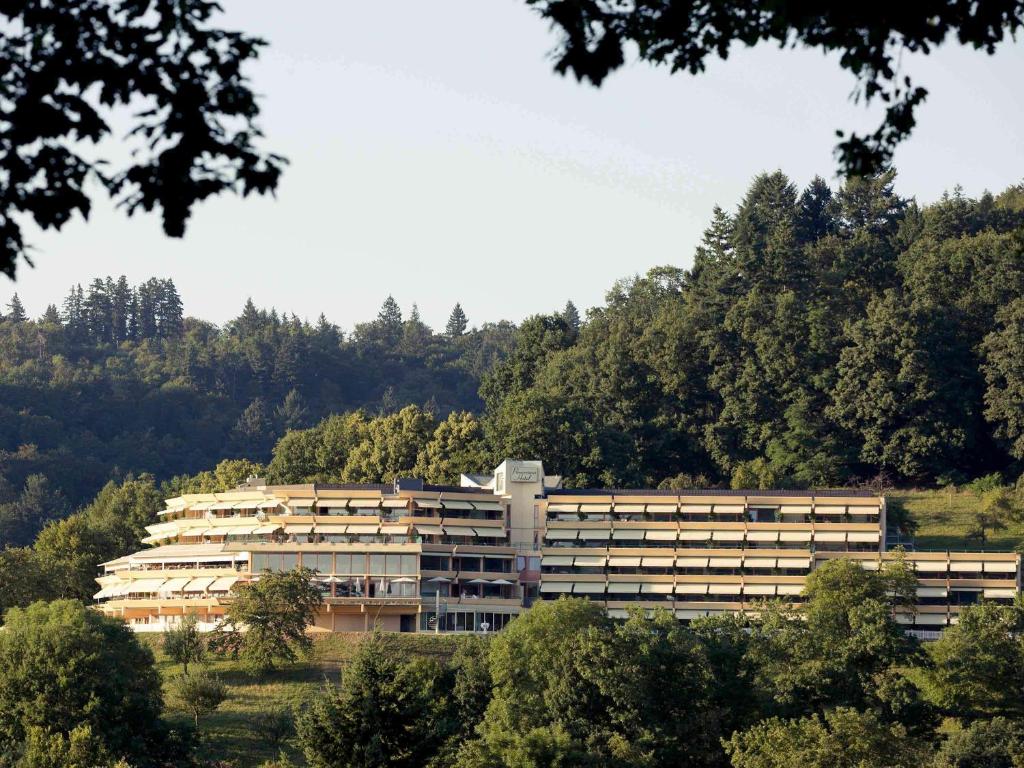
233 733
944 518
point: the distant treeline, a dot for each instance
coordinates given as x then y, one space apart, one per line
822 337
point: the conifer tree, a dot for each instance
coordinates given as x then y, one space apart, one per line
457 322
16 310
571 315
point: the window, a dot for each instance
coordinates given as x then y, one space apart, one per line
435 563
289 561
321 563
497 564
377 563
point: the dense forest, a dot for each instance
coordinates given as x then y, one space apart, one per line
821 337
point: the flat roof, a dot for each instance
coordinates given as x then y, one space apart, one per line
728 492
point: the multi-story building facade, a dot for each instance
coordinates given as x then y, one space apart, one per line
416 557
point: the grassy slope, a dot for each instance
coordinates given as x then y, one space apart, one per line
232 732
944 517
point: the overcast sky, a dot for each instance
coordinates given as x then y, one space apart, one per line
436 156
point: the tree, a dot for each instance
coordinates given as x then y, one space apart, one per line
199 693
844 737
254 433
571 315
385 713
457 446
683 36
997 509
25 577
193 131
292 413
16 310
389 320
457 322
266 620
391 446
184 644
978 664
1004 374
66 667
995 743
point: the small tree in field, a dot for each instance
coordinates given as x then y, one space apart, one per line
267 619
200 693
184 644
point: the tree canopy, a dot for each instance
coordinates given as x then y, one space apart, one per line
868 39
73 69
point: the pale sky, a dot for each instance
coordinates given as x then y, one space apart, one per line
437 157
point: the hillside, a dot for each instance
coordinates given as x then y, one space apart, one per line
944 518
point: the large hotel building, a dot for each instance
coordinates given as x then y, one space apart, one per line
417 557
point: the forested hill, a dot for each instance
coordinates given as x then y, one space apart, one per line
118 380
821 337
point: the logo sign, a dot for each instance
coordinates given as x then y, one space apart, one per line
524 475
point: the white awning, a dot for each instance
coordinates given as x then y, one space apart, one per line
656 589
794 562
831 510
458 530
596 509
789 589
759 589
931 592
931 619
222 505
962 566
370 504
663 509
830 535
364 529
291 528
560 534
1000 567
661 534
688 535
455 504
871 536
724 589
200 584
695 509
240 530
489 506
588 587
158 537
930 566
106 592
658 562
395 503
727 535
630 534
623 587
690 613
725 562
563 507
590 561
394 529
428 503
794 535
331 529
491 533
759 563
429 530
595 533
994 593
558 560
247 504
762 535
268 504
145 585
269 528
556 586
223 584
691 562
869 565
864 510
691 589
795 509
729 509
629 509
174 585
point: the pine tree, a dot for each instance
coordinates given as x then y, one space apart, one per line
169 311
457 322
146 309
17 310
571 315
389 319
97 310
74 316
51 316
292 413
120 306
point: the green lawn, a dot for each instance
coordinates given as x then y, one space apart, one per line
944 518
233 733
